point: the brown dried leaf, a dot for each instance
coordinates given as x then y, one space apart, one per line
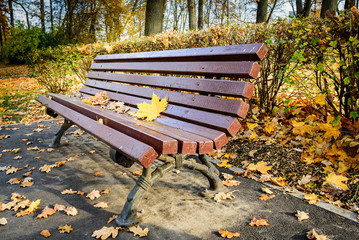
46 168
45 233
258 222
105 232
68 191
231 183
106 191
65 229
3 221
17 157
27 184
97 173
59 207
11 170
302 216
265 197
46 213
113 217
313 235
60 163
22 204
14 181
94 194
138 231
311 198
223 196
36 148
137 173
71 211
226 234
101 205
15 150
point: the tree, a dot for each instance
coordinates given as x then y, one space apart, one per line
303 11
154 16
11 13
262 6
191 15
42 15
25 8
200 14
328 5
349 3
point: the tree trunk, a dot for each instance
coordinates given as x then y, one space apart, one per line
154 16
51 16
11 13
349 4
200 14
307 6
271 11
191 15
298 4
328 5
262 11
26 13
42 15
175 15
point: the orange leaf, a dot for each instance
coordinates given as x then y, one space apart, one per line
65 229
151 111
45 233
260 167
46 212
311 198
97 173
94 194
265 197
226 234
259 222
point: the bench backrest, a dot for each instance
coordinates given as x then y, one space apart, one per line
194 92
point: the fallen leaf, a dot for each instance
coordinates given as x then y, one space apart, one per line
45 233
50 149
231 183
113 217
59 207
278 181
302 216
227 176
68 191
4 136
3 168
265 197
14 181
94 194
46 213
71 211
70 159
137 173
267 190
320 99
101 205
252 126
138 231
46 168
336 180
65 229
251 153
3 221
106 232
92 151
224 164
226 234
11 170
38 130
27 184
118 107
151 111
313 235
259 222
17 157
260 167
23 204
60 163
311 198
97 173
223 196
36 148
106 191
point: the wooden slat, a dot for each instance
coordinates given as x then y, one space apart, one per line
214 104
206 86
220 69
150 133
217 137
243 52
212 120
130 147
161 143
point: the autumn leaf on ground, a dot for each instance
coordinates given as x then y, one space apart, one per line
224 164
94 194
28 182
11 170
329 130
106 191
226 234
231 183
151 111
7 206
265 197
259 222
31 209
33 148
59 164
320 99
22 204
4 136
113 217
267 190
59 207
68 191
46 168
260 167
3 221
223 196
46 212
300 128
101 205
302 216
65 229
269 127
97 173
106 232
14 181
336 180
279 181
138 231
45 233
71 211
252 126
311 198
18 157
265 177
313 235
15 150
137 173
50 149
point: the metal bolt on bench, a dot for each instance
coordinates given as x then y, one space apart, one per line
202 110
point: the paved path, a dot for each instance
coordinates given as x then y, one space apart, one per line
172 207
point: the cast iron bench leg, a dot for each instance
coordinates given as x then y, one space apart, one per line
58 135
128 215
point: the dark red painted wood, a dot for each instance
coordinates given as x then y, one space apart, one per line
214 104
130 147
220 69
206 86
243 52
161 143
212 120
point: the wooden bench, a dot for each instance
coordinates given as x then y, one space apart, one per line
198 119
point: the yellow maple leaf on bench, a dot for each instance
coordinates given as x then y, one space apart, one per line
150 112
